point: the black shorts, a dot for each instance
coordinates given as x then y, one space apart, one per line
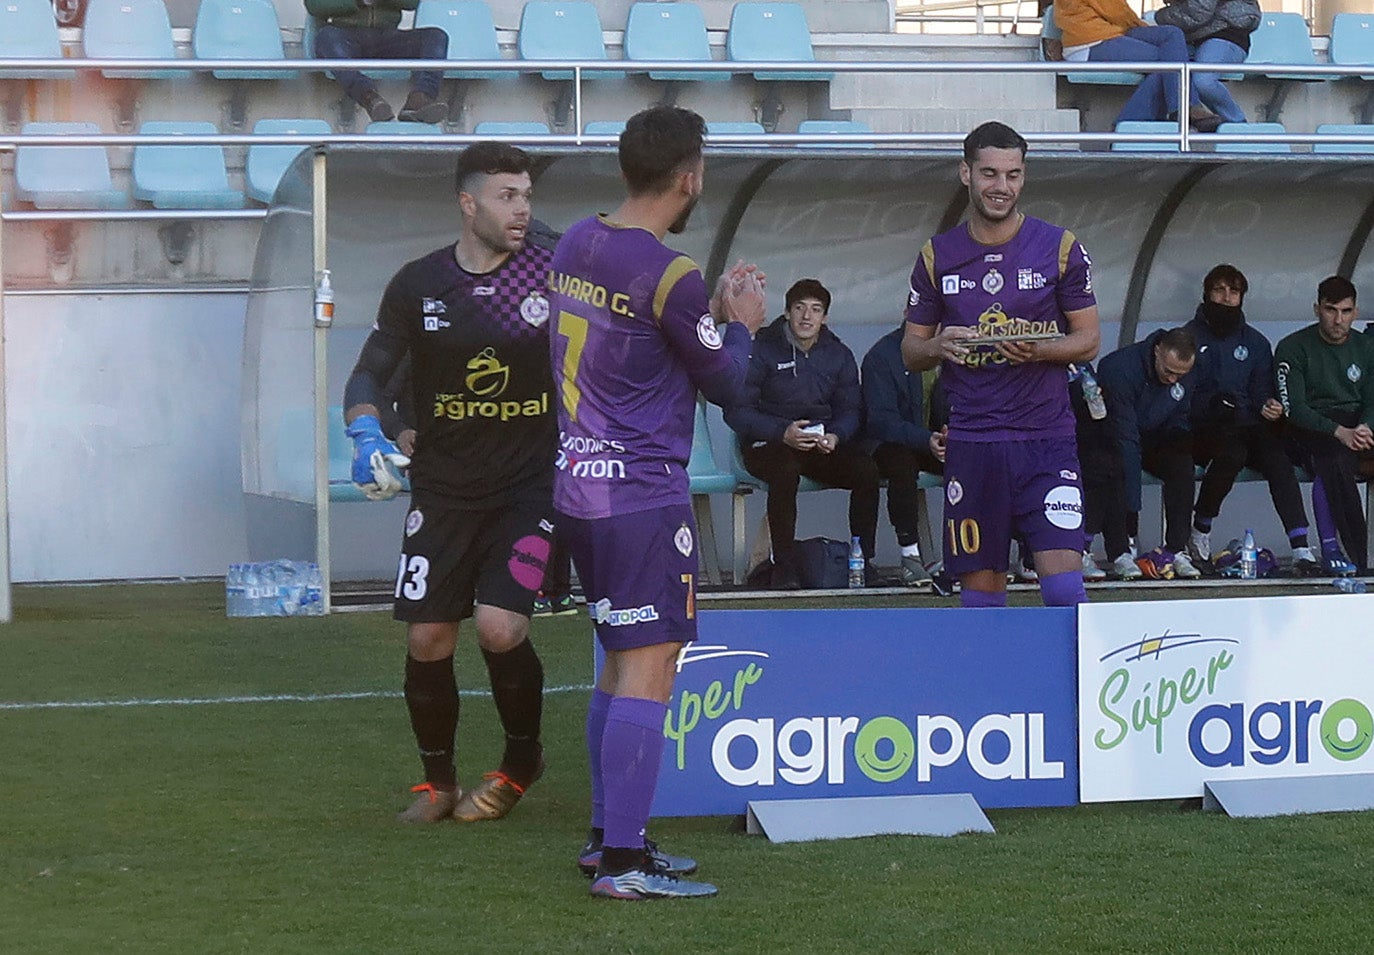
453 558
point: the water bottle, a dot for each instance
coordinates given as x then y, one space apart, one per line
856 563
234 599
252 591
1349 585
1249 557
313 605
324 301
1092 395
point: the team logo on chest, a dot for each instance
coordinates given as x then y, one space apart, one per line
431 309
1176 392
992 282
1241 353
414 521
1354 373
535 309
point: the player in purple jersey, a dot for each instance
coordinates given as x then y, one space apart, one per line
634 338
471 318
1005 301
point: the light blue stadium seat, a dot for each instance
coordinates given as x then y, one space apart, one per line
65 177
824 127
669 31
1049 30
733 129
1145 126
239 30
471 34
129 30
394 127
604 128
512 128
267 163
1352 40
772 31
1262 129
28 30
1282 39
563 30
182 177
706 475
1345 129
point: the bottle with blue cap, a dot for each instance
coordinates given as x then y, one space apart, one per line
1249 557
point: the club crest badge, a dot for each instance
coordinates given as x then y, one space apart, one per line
954 492
1176 392
682 540
707 333
1241 353
535 309
992 282
414 521
1354 373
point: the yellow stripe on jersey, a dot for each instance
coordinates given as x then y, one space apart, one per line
680 266
928 257
1066 242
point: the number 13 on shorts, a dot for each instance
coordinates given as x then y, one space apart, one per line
964 536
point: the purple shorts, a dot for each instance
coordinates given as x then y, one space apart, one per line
994 489
639 573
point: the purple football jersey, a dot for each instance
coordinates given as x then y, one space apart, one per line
1023 286
631 338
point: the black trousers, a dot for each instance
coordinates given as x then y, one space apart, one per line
782 469
1171 460
1224 452
1339 470
1104 492
901 466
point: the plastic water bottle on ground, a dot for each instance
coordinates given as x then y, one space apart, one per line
1249 557
235 601
856 563
1349 585
278 588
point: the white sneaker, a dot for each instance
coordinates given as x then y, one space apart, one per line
1131 548
1026 575
1184 569
1125 568
1200 545
1090 569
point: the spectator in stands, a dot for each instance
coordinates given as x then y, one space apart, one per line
1325 379
1104 492
1108 31
1217 31
370 30
895 418
1234 413
1147 387
800 415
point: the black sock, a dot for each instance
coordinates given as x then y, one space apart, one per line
616 859
517 686
432 698
596 835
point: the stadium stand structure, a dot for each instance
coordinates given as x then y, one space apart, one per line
1345 129
182 177
1146 126
471 35
772 31
670 31
1252 129
267 163
513 128
65 177
563 30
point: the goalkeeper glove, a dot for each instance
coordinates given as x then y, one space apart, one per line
376 461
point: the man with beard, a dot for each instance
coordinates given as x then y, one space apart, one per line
1234 413
1325 380
634 338
1005 302
471 319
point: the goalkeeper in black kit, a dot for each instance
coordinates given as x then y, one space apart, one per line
471 319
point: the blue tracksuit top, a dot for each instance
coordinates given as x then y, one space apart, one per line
1240 365
894 402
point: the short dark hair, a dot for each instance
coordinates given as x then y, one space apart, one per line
1335 289
487 159
656 143
992 135
808 288
1227 275
1180 341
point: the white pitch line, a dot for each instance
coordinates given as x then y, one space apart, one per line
275 698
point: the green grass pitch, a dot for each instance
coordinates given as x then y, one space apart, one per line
267 826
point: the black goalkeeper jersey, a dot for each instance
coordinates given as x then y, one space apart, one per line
480 379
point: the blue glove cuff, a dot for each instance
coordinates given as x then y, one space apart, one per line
365 426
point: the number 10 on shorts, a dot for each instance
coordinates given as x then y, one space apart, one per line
964 537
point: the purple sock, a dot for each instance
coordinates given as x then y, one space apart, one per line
596 728
631 751
982 598
1063 590
1326 524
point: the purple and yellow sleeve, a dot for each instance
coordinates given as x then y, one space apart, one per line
1075 287
923 303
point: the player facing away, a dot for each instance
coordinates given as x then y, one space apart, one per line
634 338
472 317
1005 302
